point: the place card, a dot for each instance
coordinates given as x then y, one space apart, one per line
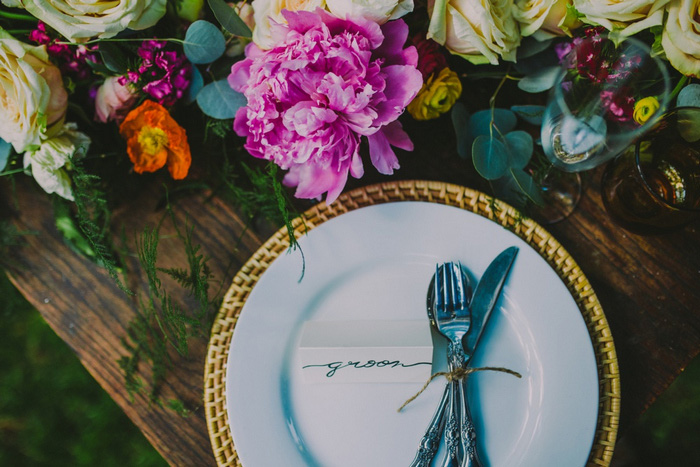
366 351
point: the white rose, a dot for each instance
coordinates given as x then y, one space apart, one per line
681 36
626 16
545 18
480 31
379 11
32 97
79 19
48 162
268 11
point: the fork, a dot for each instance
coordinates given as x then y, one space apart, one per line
453 319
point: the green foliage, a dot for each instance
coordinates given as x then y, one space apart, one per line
93 217
499 152
161 323
204 42
218 100
52 412
229 19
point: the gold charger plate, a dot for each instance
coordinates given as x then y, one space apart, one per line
435 192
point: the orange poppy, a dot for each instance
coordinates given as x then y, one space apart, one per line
153 139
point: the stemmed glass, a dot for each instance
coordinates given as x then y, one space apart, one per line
609 92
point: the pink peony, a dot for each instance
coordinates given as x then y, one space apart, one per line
327 83
113 100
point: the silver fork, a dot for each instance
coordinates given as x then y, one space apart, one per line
453 319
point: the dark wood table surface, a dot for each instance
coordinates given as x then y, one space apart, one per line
649 287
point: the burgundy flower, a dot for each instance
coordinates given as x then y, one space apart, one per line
430 57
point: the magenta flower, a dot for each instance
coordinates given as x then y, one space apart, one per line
164 75
72 60
327 83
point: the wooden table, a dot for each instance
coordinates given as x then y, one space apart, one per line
649 288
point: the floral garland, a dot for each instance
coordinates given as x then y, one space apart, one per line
319 77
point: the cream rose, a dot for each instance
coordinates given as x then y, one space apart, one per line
379 11
79 19
481 31
545 18
626 16
49 162
32 97
681 36
268 11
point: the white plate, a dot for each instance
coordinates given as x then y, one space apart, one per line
376 263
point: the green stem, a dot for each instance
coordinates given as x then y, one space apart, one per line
18 32
17 16
97 41
11 172
679 86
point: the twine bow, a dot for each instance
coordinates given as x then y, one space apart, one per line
456 375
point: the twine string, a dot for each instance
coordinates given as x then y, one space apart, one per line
457 374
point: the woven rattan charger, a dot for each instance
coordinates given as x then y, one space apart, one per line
434 192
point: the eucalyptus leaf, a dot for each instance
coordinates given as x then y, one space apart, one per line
460 121
531 61
113 57
229 19
528 186
520 147
530 47
490 157
218 100
480 122
5 151
506 189
196 85
540 81
530 113
204 42
689 96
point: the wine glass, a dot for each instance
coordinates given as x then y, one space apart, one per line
654 187
609 92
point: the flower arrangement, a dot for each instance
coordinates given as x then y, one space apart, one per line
113 90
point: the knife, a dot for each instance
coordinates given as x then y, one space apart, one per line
485 297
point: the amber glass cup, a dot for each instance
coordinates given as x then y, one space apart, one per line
654 187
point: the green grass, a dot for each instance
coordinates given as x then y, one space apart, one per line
52 412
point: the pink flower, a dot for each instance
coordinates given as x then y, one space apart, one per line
327 83
113 100
72 60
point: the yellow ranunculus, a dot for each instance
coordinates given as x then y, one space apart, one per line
644 109
437 95
80 20
32 98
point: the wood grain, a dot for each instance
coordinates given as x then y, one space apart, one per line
649 288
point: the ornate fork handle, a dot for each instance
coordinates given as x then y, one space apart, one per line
467 432
431 439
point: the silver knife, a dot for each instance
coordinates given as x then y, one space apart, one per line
485 297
